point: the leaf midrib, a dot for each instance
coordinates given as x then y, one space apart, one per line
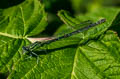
74 63
11 36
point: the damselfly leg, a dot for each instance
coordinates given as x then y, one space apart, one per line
31 53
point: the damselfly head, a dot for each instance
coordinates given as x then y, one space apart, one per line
25 49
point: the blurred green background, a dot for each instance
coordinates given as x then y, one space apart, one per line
75 7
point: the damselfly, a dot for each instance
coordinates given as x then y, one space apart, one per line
38 44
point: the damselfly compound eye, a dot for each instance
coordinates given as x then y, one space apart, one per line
25 49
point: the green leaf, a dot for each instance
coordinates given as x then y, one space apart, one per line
97 58
101 58
26 19
16 24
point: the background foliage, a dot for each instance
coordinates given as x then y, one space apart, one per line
93 54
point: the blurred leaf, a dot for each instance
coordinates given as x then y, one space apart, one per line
48 3
84 6
80 6
16 24
9 3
